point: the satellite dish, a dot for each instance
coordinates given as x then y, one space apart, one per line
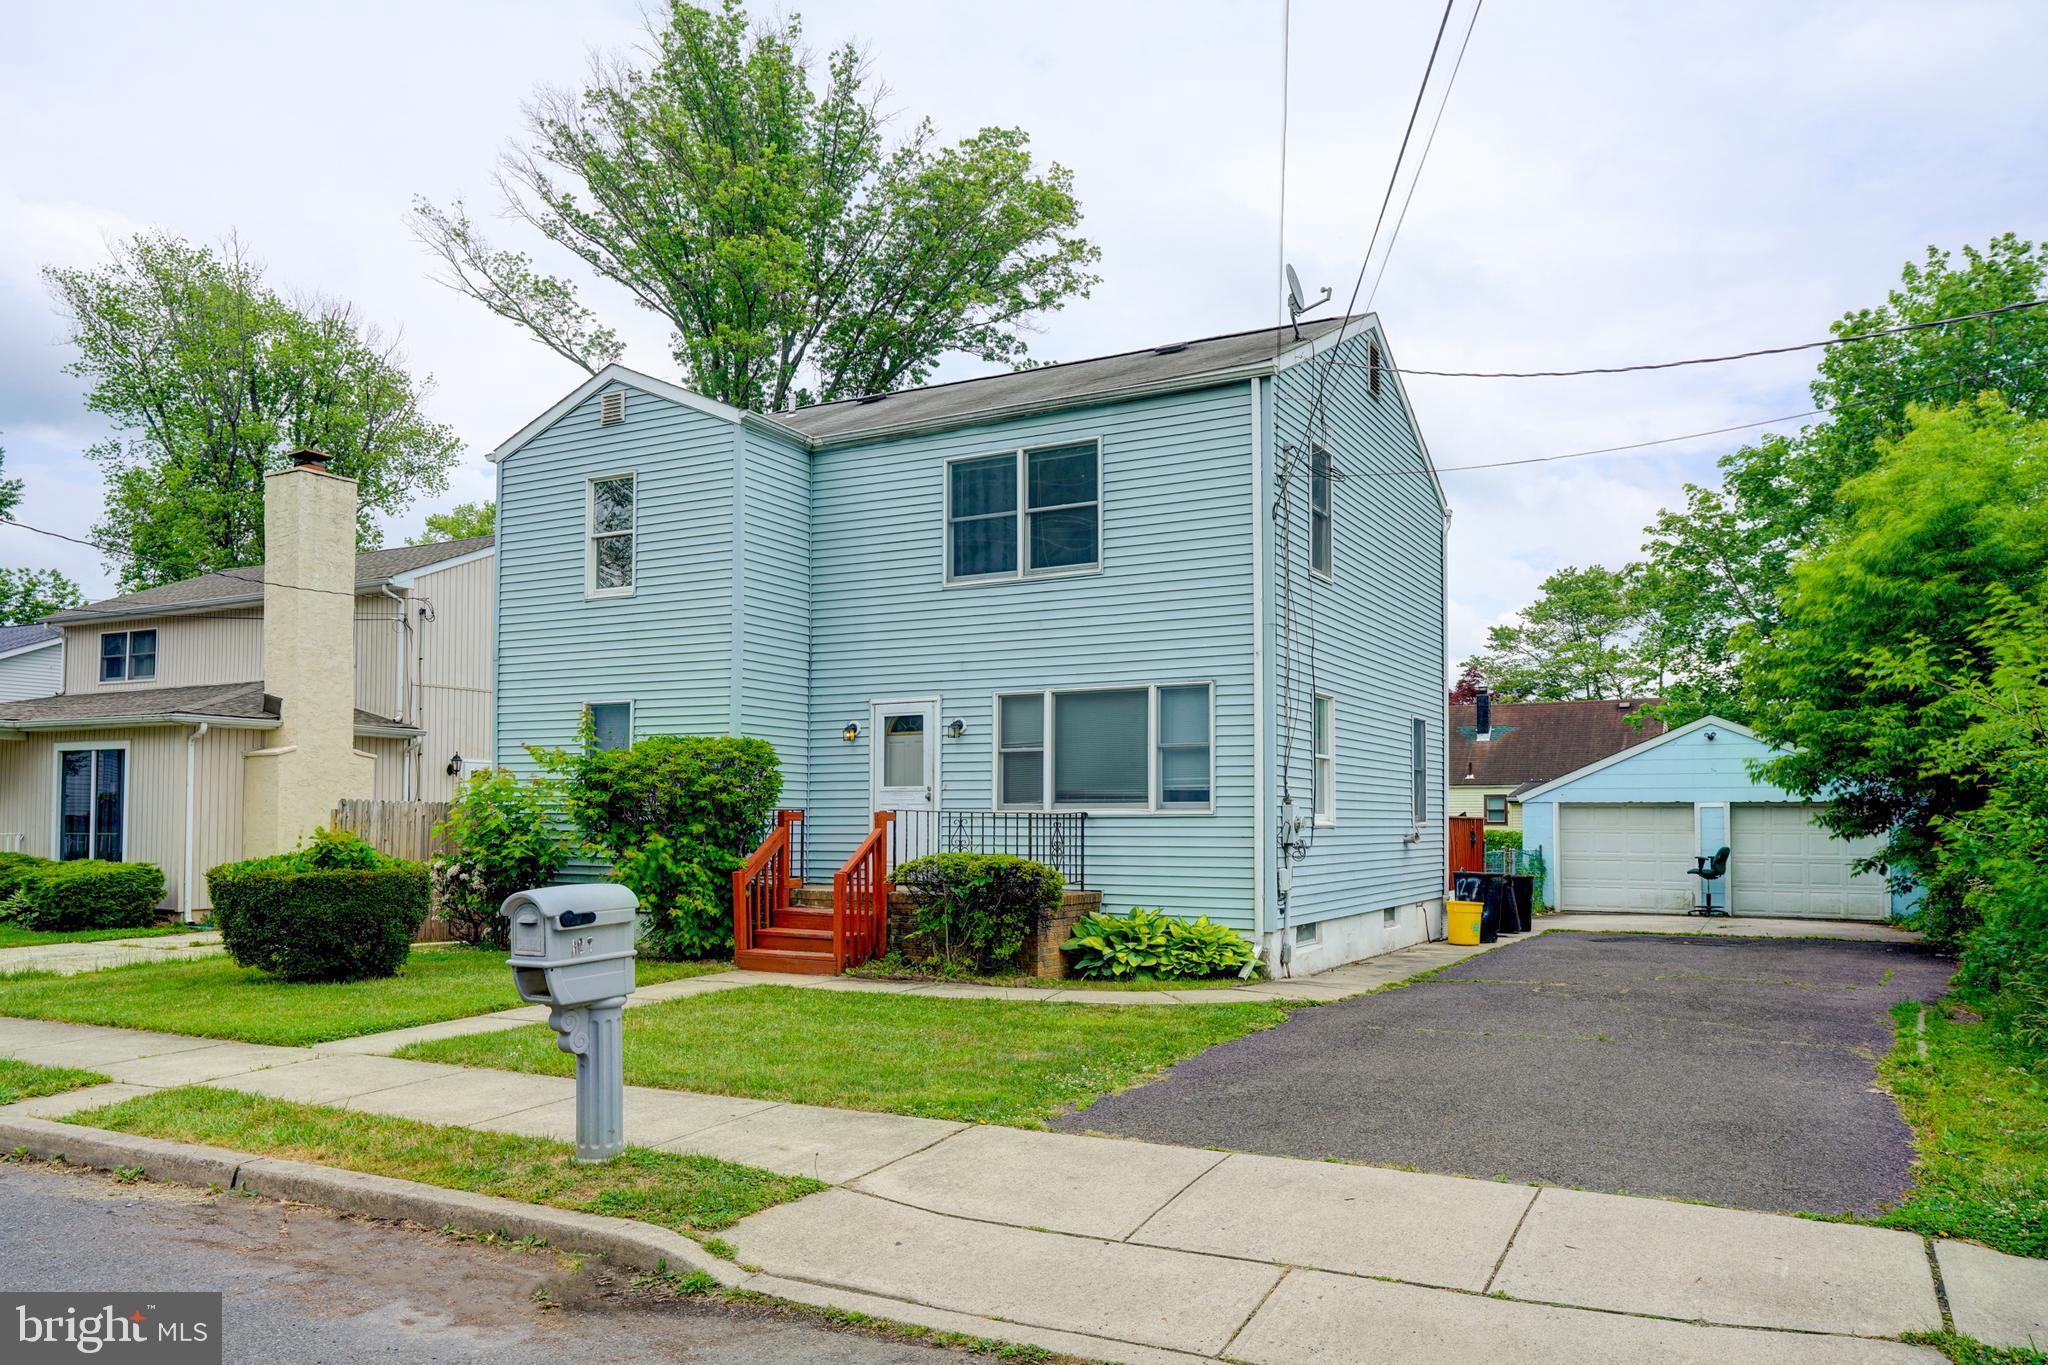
1296 302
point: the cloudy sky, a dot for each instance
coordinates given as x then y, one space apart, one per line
1611 183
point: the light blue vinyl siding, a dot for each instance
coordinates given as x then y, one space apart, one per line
1372 637
667 648
773 677
1172 603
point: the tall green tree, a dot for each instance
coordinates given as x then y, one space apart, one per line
796 255
210 377
461 522
1714 569
28 594
1576 641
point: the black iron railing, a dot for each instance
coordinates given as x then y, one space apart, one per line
1059 839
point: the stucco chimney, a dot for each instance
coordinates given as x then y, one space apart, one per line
290 787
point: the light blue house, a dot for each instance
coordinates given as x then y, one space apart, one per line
1194 594
1619 834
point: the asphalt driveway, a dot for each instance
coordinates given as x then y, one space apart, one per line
1737 1071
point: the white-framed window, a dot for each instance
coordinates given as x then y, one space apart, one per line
1496 810
610 513
1418 769
1322 556
127 656
91 816
611 724
1138 749
1024 513
1326 759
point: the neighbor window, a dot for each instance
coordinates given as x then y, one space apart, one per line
1496 810
1024 512
610 518
1321 553
92 801
1326 759
1106 749
611 724
128 656
1418 769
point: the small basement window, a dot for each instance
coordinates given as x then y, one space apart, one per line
1308 933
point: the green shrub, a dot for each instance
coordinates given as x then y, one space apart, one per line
83 894
16 867
976 908
504 836
1503 838
334 910
675 815
1150 944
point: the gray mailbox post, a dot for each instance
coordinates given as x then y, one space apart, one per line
572 950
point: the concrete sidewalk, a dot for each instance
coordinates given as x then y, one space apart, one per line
1134 1252
69 959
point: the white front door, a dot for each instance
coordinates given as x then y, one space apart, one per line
904 752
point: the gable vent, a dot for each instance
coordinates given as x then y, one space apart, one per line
611 409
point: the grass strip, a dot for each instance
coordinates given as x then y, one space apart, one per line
695 1195
896 967
978 1061
14 936
26 1080
1979 1111
211 997
1969 1351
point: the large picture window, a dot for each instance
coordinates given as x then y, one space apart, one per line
92 802
1024 513
610 518
128 656
1105 749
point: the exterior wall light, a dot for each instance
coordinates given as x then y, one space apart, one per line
956 727
455 766
850 733
1710 736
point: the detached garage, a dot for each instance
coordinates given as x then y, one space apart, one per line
1619 835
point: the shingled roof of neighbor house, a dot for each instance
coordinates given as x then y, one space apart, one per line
1534 741
243 702
13 638
246 585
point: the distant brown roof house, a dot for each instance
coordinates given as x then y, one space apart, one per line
1535 741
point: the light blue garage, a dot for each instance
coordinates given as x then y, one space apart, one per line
1619 835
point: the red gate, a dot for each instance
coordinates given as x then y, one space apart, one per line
1467 844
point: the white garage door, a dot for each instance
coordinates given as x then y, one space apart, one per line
1625 858
1785 864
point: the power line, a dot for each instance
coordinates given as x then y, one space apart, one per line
224 573
1719 359
1423 160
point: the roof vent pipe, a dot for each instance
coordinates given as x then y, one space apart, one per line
1485 704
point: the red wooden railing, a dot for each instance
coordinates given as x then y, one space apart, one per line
860 899
760 888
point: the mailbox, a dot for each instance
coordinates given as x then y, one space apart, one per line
572 950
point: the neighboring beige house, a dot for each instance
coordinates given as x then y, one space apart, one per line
1499 748
31 661
210 717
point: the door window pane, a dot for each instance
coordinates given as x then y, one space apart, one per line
1099 743
612 725
142 654
109 793
903 751
74 809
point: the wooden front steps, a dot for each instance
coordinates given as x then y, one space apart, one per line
782 926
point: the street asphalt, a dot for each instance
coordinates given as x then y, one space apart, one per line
306 1285
1735 1071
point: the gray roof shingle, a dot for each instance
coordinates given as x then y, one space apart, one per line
21 637
372 568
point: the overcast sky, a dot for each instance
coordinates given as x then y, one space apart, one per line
1612 183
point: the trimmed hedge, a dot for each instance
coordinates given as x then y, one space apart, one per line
977 907
37 893
336 911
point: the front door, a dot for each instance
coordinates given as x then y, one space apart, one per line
905 754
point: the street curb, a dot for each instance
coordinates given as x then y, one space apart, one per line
621 1241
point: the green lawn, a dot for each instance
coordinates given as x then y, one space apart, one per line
1979 1111
987 1061
695 1195
14 936
213 998
25 1080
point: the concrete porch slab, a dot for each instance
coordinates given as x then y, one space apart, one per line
2000 1300
1429 1229
1719 1265
1093 1187
1320 1317
832 1145
336 1079
193 1065
1160 1298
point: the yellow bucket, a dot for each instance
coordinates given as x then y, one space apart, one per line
1463 924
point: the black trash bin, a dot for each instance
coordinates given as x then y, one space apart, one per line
1524 889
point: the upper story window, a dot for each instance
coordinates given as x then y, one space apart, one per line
609 518
1105 749
127 656
611 724
1024 513
1321 529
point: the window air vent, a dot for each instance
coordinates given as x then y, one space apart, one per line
1373 367
611 408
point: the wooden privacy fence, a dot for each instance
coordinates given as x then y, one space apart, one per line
403 829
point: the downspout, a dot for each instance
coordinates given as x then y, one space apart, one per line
185 872
1262 811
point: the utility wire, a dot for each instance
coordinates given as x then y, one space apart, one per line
243 575
1423 161
1719 359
